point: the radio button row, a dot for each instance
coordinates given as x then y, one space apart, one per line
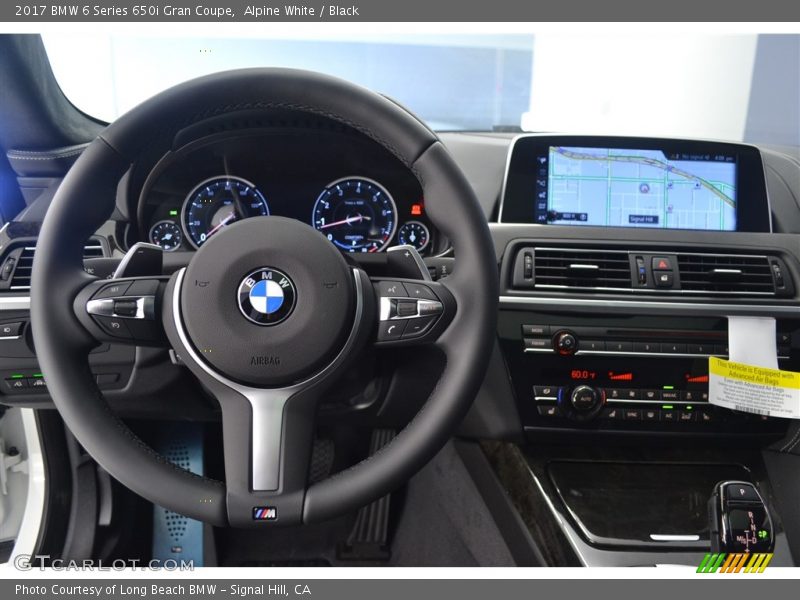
593 345
538 344
535 330
618 346
672 348
647 347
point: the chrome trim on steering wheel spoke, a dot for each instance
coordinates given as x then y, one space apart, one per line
267 404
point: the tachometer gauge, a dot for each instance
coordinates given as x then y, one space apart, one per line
356 214
414 234
218 202
166 234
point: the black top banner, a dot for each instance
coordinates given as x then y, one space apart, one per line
398 11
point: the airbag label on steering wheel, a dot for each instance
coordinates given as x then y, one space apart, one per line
757 390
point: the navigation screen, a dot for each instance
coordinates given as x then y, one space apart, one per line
616 187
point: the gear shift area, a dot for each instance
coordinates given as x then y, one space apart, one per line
739 520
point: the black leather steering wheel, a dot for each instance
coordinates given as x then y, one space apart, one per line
267 368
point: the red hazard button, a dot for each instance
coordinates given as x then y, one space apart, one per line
662 263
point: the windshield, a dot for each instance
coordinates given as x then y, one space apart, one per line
731 87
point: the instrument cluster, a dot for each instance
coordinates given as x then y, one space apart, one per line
355 194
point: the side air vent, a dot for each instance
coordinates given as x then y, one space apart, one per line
581 269
23 263
727 273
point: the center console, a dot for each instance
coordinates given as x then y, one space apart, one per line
622 259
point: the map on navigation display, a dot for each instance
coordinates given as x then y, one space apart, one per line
640 188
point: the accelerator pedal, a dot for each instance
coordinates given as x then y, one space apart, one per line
369 538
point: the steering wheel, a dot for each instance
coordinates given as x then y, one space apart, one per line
266 315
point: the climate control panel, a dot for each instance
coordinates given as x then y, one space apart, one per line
633 373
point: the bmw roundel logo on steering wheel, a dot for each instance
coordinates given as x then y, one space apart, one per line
266 296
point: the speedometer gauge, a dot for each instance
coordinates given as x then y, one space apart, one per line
218 202
356 214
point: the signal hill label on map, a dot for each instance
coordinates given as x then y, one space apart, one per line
756 390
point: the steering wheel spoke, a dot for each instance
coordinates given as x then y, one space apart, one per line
123 311
412 312
267 441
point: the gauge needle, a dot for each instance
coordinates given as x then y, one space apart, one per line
221 224
346 221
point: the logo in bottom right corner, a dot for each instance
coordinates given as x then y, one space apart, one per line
738 562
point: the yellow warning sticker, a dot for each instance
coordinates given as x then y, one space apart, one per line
757 390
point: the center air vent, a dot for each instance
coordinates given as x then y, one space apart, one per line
22 264
651 271
581 269
726 273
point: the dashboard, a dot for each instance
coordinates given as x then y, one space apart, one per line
349 189
620 258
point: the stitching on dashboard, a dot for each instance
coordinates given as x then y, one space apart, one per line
33 155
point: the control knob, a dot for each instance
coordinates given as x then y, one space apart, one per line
583 403
566 343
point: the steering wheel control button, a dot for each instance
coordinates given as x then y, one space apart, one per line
422 292
113 326
393 289
113 290
406 308
418 327
266 296
125 308
391 330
